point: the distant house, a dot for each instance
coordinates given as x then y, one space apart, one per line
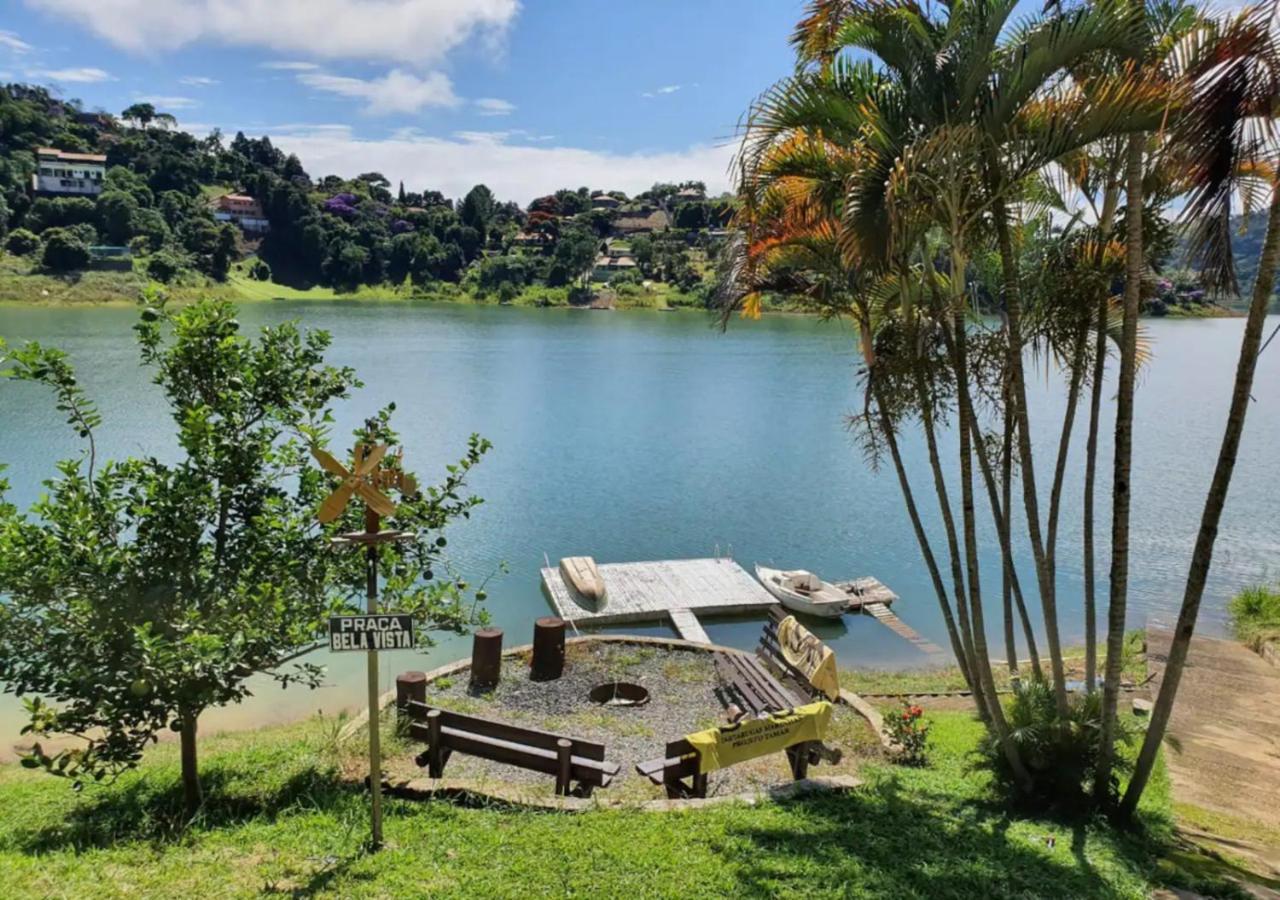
607 267
690 193
641 221
241 210
604 201
58 172
531 240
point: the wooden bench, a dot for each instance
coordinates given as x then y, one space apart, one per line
568 759
748 685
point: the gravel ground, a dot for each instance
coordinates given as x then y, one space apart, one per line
681 685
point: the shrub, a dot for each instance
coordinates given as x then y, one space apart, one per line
164 267
64 250
1255 614
260 271
1060 753
22 242
910 734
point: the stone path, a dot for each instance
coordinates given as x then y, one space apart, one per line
1223 745
1223 749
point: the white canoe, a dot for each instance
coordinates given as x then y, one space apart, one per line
803 592
581 574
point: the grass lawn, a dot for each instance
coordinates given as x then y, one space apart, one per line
279 819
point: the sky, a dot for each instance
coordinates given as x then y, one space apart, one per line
526 96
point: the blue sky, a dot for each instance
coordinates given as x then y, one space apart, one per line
524 96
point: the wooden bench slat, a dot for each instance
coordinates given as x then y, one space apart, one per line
537 759
505 731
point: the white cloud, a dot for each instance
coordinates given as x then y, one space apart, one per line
165 104
290 66
658 92
415 32
396 92
10 41
81 75
198 81
493 106
514 171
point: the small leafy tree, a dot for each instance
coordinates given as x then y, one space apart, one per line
22 242
140 593
64 250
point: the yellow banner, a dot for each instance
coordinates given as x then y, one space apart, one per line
719 748
808 654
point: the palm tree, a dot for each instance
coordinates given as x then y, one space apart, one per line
1225 135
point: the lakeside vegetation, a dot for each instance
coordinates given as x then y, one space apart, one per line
1255 614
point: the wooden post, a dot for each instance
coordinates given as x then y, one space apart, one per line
548 649
410 686
486 657
371 525
435 752
564 756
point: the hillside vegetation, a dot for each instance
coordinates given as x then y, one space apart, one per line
327 235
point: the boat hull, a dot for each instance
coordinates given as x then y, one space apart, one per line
583 578
824 608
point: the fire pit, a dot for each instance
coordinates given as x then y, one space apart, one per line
619 693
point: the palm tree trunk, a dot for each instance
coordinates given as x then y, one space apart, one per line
1122 464
1090 477
1202 556
1044 574
1064 443
1006 505
1000 513
982 661
922 538
925 399
1110 199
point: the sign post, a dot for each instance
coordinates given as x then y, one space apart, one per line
371 632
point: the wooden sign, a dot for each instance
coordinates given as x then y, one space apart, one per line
392 631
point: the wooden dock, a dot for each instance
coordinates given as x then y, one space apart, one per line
679 590
675 589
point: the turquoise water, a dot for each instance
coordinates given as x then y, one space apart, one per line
632 436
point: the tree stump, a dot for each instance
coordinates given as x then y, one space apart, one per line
486 657
548 649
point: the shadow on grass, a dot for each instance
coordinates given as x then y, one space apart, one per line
151 809
886 841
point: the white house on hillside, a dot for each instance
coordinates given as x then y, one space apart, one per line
68 173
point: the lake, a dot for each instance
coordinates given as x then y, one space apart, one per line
644 435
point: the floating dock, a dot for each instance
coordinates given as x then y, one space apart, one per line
679 590
675 589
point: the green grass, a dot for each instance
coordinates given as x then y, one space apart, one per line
281 819
939 679
1255 614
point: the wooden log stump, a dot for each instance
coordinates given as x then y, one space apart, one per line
486 657
410 686
548 649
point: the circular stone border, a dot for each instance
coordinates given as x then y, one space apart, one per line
469 792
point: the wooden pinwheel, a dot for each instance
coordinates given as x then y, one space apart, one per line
362 479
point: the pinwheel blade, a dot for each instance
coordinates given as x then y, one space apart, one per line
376 500
328 463
336 502
368 463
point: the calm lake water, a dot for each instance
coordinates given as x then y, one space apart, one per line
633 436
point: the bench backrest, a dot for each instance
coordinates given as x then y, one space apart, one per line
530 737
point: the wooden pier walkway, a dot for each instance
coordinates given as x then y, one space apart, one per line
887 617
688 626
